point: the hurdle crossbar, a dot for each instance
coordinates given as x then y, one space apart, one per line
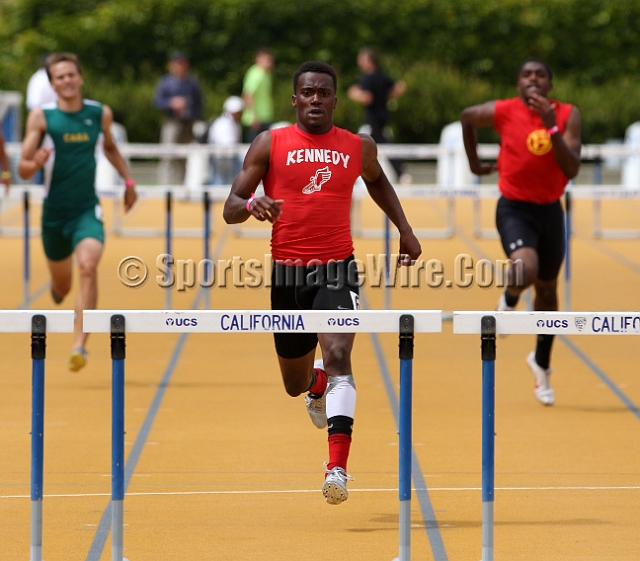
280 321
119 322
551 323
490 324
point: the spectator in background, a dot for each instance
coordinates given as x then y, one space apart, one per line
226 131
179 97
39 90
4 163
374 90
257 93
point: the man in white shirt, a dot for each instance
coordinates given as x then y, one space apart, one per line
226 131
39 90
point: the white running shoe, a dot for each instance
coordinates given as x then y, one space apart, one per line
317 406
334 487
502 305
543 390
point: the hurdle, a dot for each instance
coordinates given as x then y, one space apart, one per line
120 322
490 324
38 323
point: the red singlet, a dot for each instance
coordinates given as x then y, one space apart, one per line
314 175
528 168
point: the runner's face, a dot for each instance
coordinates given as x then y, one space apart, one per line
66 80
314 100
533 78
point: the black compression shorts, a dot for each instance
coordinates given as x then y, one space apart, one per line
333 286
540 227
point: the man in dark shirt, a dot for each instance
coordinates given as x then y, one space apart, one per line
373 90
179 97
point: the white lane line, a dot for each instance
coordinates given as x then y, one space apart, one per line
390 490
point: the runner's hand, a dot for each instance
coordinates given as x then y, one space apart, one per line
265 208
410 249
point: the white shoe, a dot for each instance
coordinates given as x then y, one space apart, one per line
543 391
317 406
502 305
334 487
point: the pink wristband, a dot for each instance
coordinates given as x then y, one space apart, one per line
248 205
129 183
553 130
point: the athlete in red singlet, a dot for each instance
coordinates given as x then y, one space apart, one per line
308 171
539 153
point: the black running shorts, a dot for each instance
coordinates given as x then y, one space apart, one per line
333 286
540 227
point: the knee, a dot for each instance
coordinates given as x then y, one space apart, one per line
337 359
87 268
62 286
523 274
547 293
293 386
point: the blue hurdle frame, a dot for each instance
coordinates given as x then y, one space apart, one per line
406 346
117 436
406 336
488 347
38 346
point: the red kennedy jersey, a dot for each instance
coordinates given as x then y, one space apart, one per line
527 166
314 174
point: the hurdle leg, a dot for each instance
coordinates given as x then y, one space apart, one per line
167 294
38 345
404 429
207 234
567 260
387 271
26 273
117 437
488 346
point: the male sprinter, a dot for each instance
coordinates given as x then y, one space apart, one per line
308 171
539 152
71 214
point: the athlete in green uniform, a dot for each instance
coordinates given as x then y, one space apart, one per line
71 213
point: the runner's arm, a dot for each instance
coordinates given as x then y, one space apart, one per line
567 146
472 118
384 195
33 158
255 167
115 158
4 163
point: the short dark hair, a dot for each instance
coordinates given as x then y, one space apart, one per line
318 67
55 58
536 59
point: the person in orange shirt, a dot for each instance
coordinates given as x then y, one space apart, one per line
539 153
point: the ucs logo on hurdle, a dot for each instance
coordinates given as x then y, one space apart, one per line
179 322
557 323
348 322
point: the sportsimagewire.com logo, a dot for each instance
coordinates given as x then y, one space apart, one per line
180 322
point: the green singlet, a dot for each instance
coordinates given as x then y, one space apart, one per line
71 210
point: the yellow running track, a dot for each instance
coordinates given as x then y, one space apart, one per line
223 465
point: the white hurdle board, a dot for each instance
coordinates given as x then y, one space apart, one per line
19 321
262 321
551 323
